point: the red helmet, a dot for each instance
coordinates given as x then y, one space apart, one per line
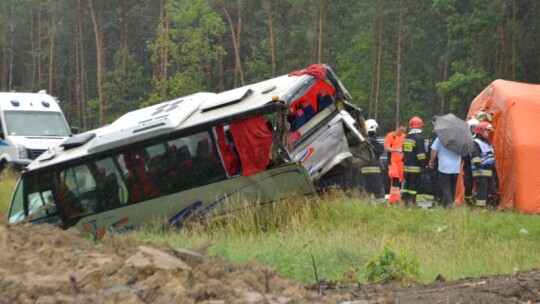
483 126
416 123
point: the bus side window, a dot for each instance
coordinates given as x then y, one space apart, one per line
156 171
134 193
203 150
323 101
107 188
227 150
149 188
184 158
203 159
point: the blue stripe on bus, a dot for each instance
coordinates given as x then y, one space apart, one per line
185 213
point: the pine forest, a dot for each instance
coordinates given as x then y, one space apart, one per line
397 58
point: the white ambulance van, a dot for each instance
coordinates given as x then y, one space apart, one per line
30 123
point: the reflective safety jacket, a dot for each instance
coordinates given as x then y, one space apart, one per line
375 165
415 153
482 159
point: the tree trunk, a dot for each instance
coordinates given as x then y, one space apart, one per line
235 38
161 64
51 54
164 54
81 117
39 48
379 61
514 40
33 50
221 68
319 51
8 14
398 60
270 15
125 46
372 88
99 56
445 75
5 68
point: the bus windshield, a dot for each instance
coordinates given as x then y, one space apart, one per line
43 123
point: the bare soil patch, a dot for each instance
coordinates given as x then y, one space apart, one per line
44 264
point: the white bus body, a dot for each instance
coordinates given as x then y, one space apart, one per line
30 123
180 159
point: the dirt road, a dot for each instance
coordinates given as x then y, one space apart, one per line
43 264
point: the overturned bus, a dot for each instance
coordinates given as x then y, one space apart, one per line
177 160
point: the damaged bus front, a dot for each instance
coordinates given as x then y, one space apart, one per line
180 159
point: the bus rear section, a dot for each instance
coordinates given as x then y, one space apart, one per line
30 123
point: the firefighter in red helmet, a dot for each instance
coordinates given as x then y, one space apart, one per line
414 160
482 162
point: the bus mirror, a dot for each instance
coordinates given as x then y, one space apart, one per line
74 130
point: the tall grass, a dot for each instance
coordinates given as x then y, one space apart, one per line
324 238
8 180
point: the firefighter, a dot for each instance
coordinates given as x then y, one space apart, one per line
434 172
372 171
414 160
482 162
468 181
393 144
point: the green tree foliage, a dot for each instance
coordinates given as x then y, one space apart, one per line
125 87
190 42
157 50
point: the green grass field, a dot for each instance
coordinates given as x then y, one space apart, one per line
8 180
327 238
322 239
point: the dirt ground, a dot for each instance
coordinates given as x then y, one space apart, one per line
43 264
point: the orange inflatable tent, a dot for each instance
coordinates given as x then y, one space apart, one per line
515 111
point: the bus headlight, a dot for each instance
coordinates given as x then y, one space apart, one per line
23 153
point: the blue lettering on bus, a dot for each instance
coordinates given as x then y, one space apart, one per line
183 214
120 226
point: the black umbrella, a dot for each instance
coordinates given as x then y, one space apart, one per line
454 134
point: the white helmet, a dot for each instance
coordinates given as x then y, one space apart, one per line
473 122
371 125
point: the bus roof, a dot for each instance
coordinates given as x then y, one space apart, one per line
174 115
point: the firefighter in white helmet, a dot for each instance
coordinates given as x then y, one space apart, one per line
372 172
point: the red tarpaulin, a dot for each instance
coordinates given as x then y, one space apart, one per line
253 142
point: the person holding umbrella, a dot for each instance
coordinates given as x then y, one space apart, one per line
454 141
449 168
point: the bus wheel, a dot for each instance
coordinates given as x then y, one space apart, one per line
2 165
